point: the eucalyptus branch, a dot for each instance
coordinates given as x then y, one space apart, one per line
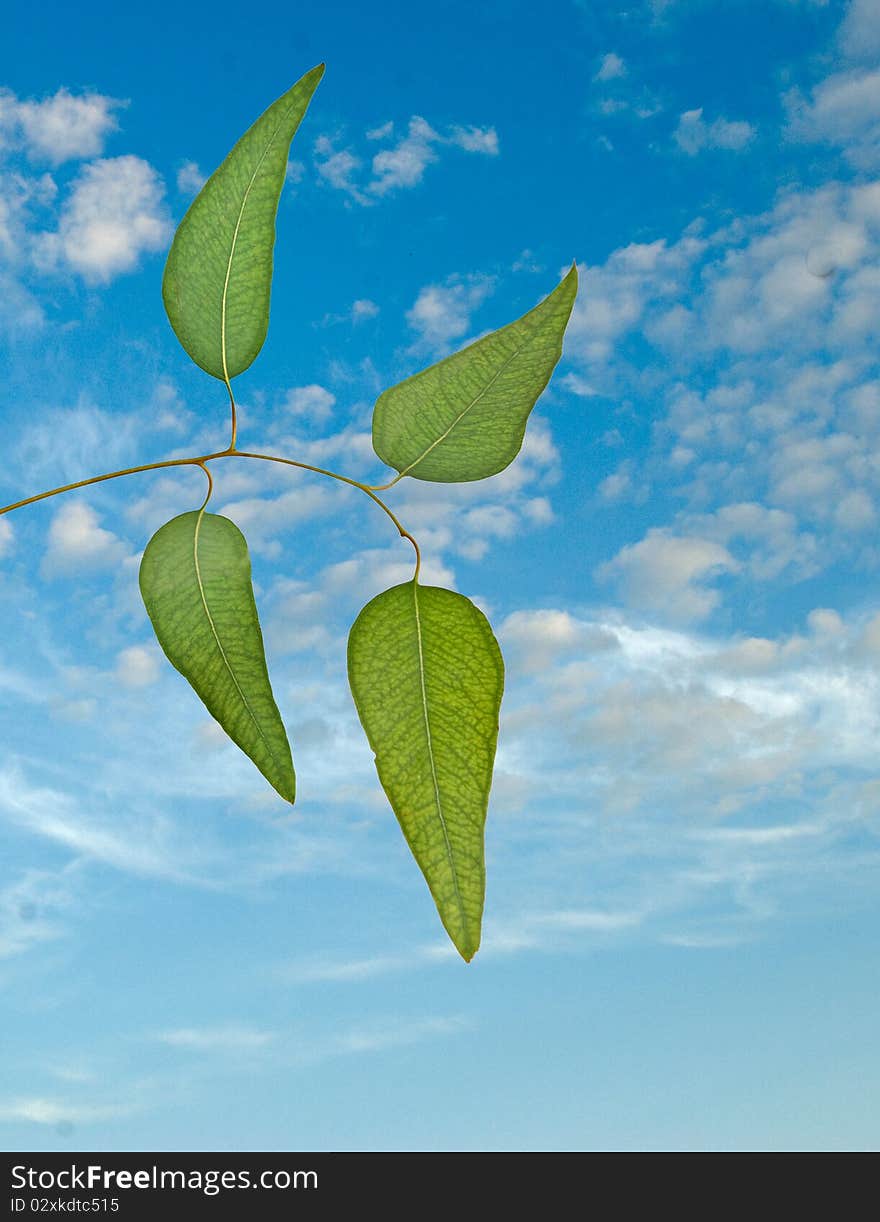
424 667
100 479
201 460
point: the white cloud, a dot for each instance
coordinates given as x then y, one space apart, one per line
616 295
611 68
61 1112
383 132
64 126
745 768
825 622
5 537
664 725
137 666
113 214
150 750
449 520
799 275
59 444
466 519
693 134
378 1037
859 33
8 104
30 909
338 167
547 930
20 312
362 309
617 486
774 544
190 178
622 96
753 348
401 166
263 518
405 163
20 193
22 198
78 544
313 401
138 846
351 971
223 1039
553 929
296 1048
771 270
668 574
442 313
476 140
843 110
541 638
354 581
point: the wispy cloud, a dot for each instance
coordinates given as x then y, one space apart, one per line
859 33
61 1113
223 1039
190 178
300 1048
694 134
402 164
535 931
56 816
77 543
33 909
441 314
842 110
611 68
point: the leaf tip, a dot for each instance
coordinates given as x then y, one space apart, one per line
466 945
286 787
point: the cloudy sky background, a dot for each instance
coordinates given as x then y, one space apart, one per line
682 568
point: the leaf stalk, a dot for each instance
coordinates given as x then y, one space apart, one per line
201 460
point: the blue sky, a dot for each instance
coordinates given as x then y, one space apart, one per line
682 568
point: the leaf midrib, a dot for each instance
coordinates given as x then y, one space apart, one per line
458 419
219 643
437 799
231 259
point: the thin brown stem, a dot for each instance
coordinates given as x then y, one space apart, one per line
201 460
343 479
385 487
234 410
99 479
210 491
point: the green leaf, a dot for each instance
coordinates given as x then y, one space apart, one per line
464 418
195 580
427 676
218 277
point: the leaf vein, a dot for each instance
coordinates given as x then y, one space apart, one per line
234 243
458 419
219 643
434 778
